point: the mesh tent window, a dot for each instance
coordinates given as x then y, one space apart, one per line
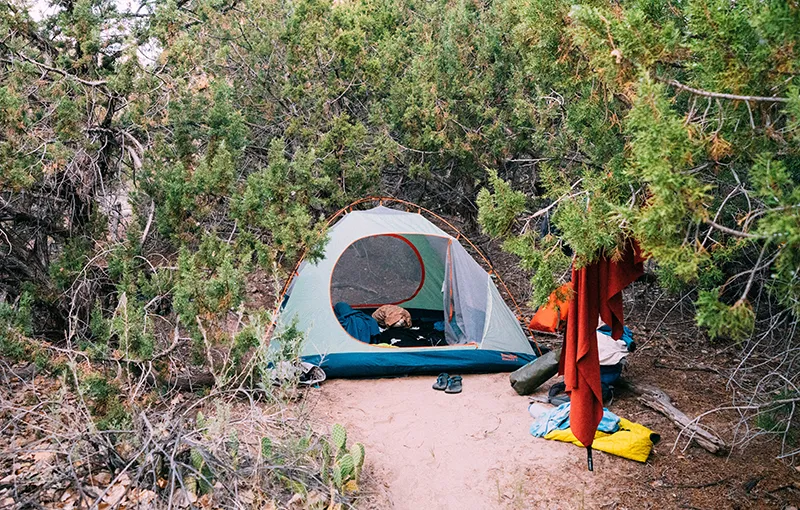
378 270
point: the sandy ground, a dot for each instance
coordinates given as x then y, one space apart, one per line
471 450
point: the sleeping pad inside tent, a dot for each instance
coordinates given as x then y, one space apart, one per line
383 256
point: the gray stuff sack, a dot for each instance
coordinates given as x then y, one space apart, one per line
528 378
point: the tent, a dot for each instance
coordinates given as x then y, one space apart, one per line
386 256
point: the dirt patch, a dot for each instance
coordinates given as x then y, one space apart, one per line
427 449
471 450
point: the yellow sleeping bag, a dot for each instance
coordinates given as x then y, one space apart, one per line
632 441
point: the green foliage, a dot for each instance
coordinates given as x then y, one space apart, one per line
778 417
249 130
266 447
106 407
544 259
245 340
340 466
99 326
209 283
70 263
276 200
287 344
11 343
16 323
697 181
722 320
499 209
129 326
662 152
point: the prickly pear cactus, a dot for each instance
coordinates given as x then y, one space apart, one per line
347 465
336 471
326 447
340 467
197 459
266 447
339 438
190 483
358 452
351 486
326 467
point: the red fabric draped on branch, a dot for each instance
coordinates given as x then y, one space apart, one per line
597 293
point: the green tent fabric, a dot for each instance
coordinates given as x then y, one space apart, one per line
385 256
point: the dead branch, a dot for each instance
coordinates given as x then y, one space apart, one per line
722 95
656 399
737 233
88 83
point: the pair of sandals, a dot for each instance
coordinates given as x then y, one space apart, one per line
450 384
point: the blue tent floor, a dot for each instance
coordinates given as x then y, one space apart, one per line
395 362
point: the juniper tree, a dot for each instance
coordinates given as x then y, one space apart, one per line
167 151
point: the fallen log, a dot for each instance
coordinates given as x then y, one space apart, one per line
654 398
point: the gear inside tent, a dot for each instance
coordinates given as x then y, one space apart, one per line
384 256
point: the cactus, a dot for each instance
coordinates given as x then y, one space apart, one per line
197 459
233 448
190 483
357 451
347 465
341 467
337 475
326 465
326 447
339 437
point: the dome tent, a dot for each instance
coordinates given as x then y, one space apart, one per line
386 256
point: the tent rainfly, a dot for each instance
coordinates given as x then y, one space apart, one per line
385 256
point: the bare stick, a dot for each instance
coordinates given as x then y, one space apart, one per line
721 95
656 399
97 83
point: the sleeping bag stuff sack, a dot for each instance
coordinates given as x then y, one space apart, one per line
554 313
527 379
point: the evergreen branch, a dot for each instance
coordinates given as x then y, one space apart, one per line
722 95
418 151
96 83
